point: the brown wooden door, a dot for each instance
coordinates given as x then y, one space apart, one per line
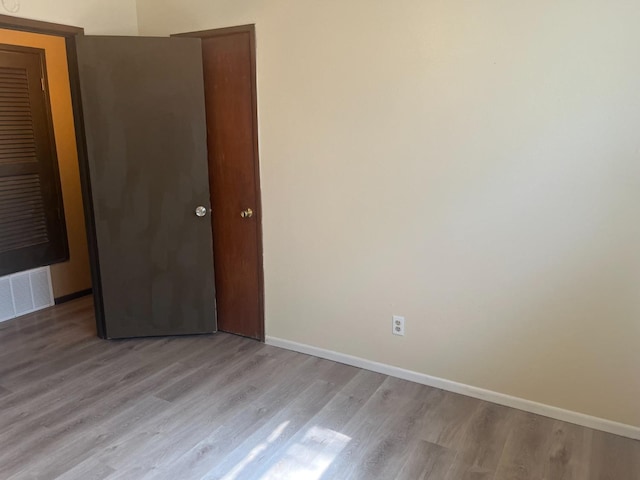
230 97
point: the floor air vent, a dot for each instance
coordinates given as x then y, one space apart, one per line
25 292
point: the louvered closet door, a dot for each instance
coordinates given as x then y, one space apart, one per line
32 229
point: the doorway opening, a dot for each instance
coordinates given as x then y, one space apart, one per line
45 256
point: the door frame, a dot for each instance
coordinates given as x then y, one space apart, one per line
69 33
251 30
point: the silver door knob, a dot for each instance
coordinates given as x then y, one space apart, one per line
248 213
201 211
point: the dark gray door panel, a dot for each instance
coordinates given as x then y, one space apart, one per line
143 106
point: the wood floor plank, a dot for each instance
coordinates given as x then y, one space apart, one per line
62 457
36 398
462 471
371 431
569 452
232 389
526 451
448 420
88 470
73 406
5 392
317 442
93 378
613 458
486 433
255 457
36 331
222 441
427 461
71 418
217 444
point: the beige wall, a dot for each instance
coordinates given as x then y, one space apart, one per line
474 166
112 17
74 275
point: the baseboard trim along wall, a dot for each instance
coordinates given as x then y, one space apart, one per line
468 390
73 296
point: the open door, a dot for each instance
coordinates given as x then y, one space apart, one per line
144 116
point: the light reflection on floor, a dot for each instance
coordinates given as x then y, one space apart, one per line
305 459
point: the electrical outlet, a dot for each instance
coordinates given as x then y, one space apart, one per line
398 325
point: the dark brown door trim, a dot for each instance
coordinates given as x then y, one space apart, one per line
69 33
250 29
217 32
35 26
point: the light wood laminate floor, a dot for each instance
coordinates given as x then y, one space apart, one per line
223 407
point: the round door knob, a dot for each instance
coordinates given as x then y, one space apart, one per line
248 213
201 211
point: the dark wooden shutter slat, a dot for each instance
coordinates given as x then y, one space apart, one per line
16 157
23 229
19 160
13 191
24 226
15 72
18 199
20 195
17 154
12 112
14 101
18 84
16 96
10 209
21 104
21 180
25 242
15 122
14 147
16 151
12 91
16 133
16 140
11 108
17 143
16 215
10 87
13 128
27 232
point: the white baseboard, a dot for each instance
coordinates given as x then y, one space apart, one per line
589 421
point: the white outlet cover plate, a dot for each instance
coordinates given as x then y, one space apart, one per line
397 325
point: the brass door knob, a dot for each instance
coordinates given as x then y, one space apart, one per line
248 213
